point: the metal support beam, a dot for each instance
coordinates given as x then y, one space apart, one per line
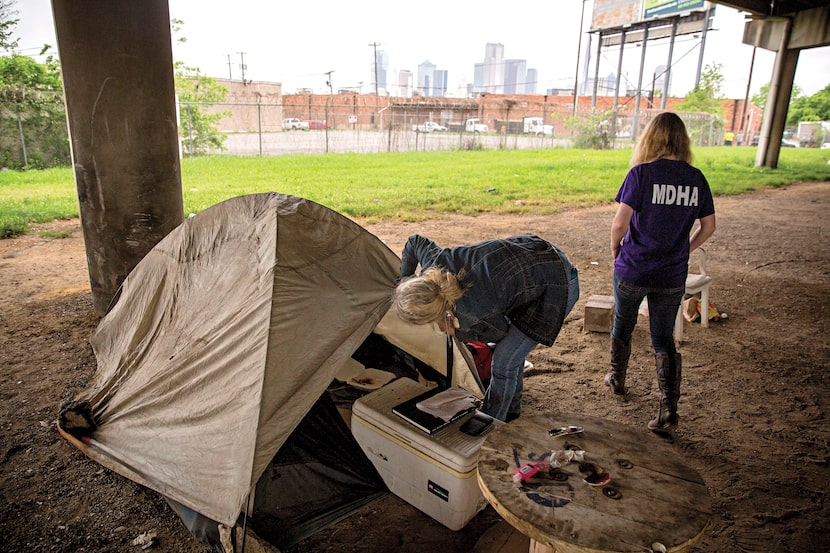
635 126
596 73
667 75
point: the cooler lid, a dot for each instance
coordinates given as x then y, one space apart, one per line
448 446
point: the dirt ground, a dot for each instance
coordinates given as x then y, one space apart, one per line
753 408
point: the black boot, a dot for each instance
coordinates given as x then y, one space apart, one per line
620 352
669 372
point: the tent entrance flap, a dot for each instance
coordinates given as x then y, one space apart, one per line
321 475
318 477
378 353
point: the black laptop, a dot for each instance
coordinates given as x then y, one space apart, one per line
429 413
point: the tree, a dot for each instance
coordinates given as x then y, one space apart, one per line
706 98
593 132
197 128
7 25
760 98
810 108
706 95
32 117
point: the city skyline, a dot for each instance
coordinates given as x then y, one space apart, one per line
495 75
339 47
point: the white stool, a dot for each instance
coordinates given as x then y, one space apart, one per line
696 282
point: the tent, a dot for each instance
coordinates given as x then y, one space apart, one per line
213 364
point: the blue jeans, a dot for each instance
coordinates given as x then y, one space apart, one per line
573 282
504 394
663 304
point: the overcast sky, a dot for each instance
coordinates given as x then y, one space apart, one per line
296 44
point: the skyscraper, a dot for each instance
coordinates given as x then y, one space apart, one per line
431 81
493 69
478 79
659 81
515 76
380 69
531 81
440 86
426 78
499 76
403 84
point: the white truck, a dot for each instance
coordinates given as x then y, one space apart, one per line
294 124
475 125
429 126
536 125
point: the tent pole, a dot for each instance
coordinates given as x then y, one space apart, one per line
245 521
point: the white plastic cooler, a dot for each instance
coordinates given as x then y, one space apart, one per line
434 473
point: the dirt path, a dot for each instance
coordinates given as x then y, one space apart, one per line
753 408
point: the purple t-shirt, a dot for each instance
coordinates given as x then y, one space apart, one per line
667 197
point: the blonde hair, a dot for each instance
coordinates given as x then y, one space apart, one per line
665 136
427 298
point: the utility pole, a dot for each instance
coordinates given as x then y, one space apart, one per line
328 82
578 51
329 102
742 126
375 45
242 65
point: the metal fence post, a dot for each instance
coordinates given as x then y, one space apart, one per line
259 122
189 129
22 137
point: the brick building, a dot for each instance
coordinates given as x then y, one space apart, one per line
498 111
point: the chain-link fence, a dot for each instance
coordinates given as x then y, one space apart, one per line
366 124
34 128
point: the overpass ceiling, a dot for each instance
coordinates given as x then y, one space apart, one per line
774 7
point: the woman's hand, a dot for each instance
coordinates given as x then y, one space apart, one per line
619 227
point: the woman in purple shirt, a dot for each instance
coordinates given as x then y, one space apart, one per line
659 201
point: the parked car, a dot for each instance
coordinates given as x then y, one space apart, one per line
785 142
429 126
316 124
294 124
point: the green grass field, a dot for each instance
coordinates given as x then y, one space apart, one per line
414 185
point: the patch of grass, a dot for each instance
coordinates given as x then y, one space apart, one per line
414 186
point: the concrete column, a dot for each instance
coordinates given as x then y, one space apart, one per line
116 60
778 101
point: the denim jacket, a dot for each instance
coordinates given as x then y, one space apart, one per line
521 280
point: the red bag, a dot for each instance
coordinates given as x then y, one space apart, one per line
483 358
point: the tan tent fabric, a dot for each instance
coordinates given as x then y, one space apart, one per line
222 339
431 347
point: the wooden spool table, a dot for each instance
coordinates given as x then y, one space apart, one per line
653 498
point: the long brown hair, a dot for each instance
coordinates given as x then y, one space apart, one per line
665 136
